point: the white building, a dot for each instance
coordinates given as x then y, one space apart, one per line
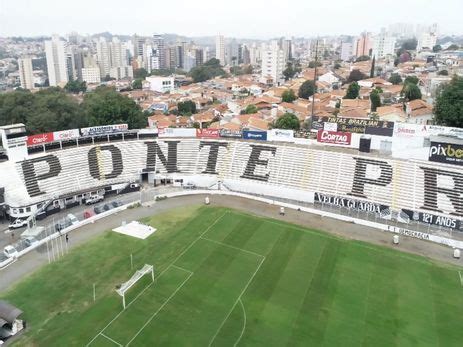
159 51
426 40
118 53
55 51
273 63
91 74
383 44
103 56
220 49
347 50
26 75
161 84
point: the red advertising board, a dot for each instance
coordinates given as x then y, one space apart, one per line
208 133
39 139
334 137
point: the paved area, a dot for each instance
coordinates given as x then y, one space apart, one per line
35 259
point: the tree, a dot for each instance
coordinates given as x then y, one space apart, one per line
437 48
137 83
411 80
250 109
289 71
356 75
448 108
352 91
337 66
186 108
363 58
411 92
395 78
140 73
16 106
288 121
312 64
208 70
288 96
307 89
372 70
443 73
75 86
410 44
452 47
106 106
375 100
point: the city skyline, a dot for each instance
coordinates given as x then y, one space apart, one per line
258 19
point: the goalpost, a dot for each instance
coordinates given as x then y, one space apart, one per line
134 279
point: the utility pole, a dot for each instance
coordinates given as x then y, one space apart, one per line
315 78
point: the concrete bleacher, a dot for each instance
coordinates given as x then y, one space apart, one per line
281 169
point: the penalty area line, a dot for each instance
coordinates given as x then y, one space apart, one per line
110 339
461 278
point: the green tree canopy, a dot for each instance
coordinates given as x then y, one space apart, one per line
452 47
437 48
375 100
208 70
312 64
75 86
250 109
287 121
363 58
356 75
443 73
395 78
411 80
448 108
352 91
140 73
106 106
409 44
411 92
288 96
186 108
307 89
137 83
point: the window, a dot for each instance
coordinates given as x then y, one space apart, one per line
21 210
28 209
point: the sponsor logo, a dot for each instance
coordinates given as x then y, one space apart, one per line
334 137
39 139
211 133
410 233
446 153
104 129
255 135
352 204
66 134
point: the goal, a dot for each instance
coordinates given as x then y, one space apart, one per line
146 269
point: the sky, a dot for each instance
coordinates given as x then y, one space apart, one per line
238 18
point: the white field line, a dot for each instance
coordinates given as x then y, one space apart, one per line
244 324
461 278
233 247
192 243
110 339
159 309
237 300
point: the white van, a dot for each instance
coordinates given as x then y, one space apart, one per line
72 219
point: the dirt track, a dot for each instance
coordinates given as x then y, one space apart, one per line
34 260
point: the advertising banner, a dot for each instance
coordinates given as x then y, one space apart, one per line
334 137
330 126
207 133
280 135
255 135
352 125
104 129
406 216
39 139
352 204
177 132
66 134
231 133
448 153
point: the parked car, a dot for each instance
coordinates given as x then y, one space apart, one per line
72 219
98 209
62 225
18 223
30 241
107 207
94 199
10 251
116 203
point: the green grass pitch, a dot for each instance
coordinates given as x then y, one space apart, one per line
225 278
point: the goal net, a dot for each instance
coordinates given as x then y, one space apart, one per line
146 269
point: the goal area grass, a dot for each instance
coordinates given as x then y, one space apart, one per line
226 278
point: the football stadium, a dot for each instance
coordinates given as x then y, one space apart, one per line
186 237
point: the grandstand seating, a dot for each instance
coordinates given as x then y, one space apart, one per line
394 183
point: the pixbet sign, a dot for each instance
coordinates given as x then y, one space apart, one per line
334 137
446 153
